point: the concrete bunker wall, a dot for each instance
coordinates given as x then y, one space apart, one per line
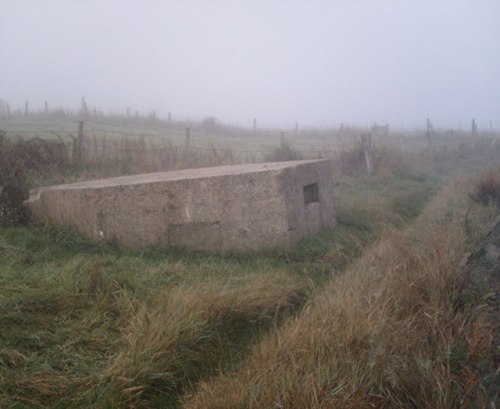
309 197
246 207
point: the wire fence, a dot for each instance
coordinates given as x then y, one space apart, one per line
158 145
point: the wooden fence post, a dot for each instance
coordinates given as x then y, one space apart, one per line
78 145
254 125
428 132
25 108
473 127
95 142
473 132
104 152
8 110
84 108
366 141
296 128
46 108
187 147
169 118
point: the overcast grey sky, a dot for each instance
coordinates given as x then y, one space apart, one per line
315 62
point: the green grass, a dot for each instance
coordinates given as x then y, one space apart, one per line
67 306
87 325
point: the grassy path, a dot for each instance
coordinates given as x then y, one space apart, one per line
392 331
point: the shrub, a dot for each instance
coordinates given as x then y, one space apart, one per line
352 162
487 188
13 187
17 160
283 153
41 155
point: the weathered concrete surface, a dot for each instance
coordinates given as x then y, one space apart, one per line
230 207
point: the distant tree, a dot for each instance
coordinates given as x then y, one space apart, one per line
209 123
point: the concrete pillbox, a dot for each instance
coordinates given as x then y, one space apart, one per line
229 207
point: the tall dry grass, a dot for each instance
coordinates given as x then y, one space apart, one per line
174 340
81 329
386 334
487 188
139 155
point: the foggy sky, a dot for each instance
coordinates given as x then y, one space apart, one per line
316 62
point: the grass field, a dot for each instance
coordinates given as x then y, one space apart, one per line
244 144
368 315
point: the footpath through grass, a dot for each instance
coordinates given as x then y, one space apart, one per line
395 330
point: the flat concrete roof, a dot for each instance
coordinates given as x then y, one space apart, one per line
184 174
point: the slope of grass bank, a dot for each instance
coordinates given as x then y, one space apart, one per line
386 333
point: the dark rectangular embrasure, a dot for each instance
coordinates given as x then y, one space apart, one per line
311 193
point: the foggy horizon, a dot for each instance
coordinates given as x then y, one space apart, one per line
315 63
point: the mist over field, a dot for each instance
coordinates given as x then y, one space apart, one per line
317 63
250 204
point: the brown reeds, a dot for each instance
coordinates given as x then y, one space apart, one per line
131 155
386 334
487 188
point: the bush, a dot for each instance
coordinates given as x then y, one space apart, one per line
13 186
487 188
352 161
41 155
17 160
283 153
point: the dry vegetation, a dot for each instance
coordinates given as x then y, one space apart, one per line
487 188
373 314
386 333
17 161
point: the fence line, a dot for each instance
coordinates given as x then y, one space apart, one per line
313 148
318 148
95 142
